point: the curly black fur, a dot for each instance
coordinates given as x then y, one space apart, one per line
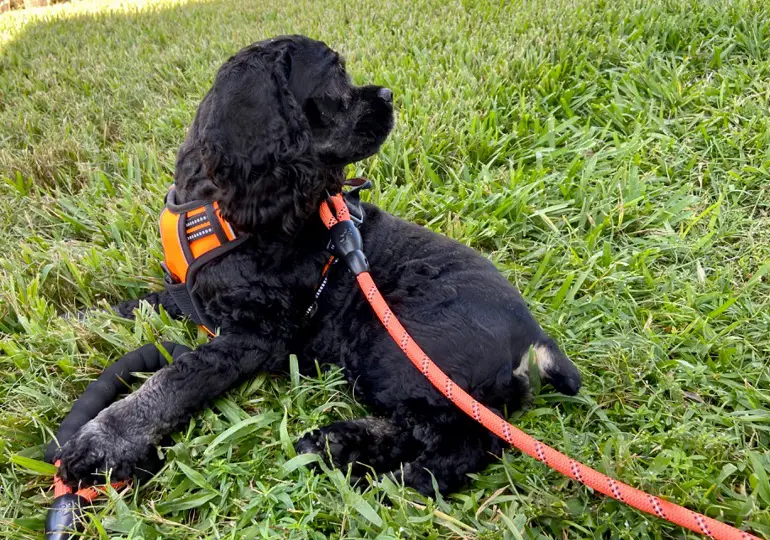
272 136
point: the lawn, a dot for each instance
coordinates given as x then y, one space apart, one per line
612 158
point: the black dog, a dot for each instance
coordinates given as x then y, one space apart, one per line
269 140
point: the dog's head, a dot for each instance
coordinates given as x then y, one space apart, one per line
275 132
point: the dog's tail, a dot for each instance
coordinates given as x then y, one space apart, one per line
553 365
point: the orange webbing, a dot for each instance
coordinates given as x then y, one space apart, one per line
514 436
173 254
89 493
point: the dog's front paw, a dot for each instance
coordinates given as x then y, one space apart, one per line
95 450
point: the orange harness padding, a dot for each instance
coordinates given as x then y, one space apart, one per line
348 246
193 234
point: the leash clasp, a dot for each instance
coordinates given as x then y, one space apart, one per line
346 244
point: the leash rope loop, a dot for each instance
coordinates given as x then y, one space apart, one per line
592 478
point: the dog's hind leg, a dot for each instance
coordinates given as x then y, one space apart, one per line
410 453
365 443
452 451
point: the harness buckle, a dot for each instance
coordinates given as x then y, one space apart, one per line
168 277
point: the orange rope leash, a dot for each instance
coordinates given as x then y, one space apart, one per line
556 460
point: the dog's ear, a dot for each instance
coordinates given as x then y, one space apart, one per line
254 144
216 159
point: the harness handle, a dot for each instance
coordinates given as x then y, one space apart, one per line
567 466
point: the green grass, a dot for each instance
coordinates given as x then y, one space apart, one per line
612 158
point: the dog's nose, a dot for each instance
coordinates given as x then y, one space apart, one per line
385 94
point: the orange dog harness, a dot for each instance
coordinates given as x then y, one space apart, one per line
192 235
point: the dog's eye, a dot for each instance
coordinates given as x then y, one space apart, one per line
329 106
313 114
321 111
